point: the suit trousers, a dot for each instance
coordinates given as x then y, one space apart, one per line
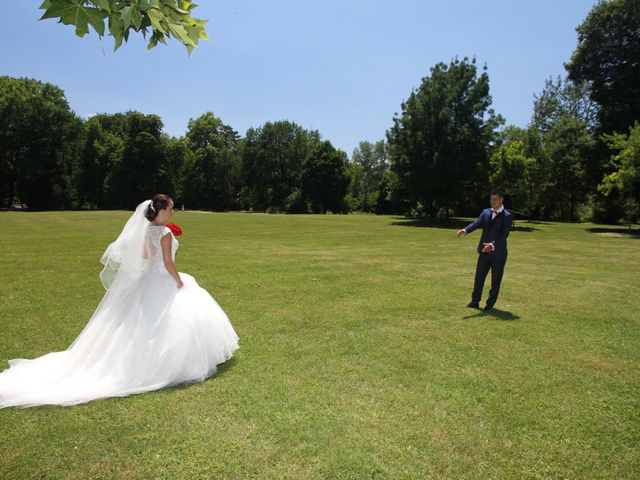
489 261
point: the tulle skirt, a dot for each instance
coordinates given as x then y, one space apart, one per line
153 337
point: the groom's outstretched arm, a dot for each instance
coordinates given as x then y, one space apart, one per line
473 225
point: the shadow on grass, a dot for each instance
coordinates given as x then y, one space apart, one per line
623 232
222 370
496 313
450 223
430 222
523 228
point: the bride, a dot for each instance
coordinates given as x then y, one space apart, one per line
154 327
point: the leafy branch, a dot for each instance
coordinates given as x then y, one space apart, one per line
163 18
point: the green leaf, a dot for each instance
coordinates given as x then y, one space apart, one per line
203 33
116 28
193 33
156 16
136 17
126 14
74 13
103 4
54 8
180 33
96 19
155 38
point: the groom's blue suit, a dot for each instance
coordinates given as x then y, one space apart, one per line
494 231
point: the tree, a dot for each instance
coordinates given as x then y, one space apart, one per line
566 146
272 157
163 18
514 167
174 168
324 178
141 169
213 164
39 137
608 58
390 196
368 163
355 197
625 177
126 158
563 98
566 99
104 139
439 144
559 101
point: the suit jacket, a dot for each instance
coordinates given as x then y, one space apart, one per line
494 231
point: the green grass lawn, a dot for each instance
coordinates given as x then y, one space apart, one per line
357 358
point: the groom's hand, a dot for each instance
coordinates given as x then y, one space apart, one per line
462 233
487 247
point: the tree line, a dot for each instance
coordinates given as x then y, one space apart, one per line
51 159
579 157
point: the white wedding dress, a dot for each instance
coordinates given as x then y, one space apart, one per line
145 335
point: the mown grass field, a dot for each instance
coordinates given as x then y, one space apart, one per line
357 359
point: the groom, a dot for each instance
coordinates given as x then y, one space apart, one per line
492 248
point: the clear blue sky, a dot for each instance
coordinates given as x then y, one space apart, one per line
341 67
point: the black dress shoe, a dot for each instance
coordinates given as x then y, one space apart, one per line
487 308
473 305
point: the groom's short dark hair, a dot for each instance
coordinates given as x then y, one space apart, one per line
497 191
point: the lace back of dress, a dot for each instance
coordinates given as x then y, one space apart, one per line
154 236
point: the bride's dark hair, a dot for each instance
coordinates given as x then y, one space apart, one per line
159 202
